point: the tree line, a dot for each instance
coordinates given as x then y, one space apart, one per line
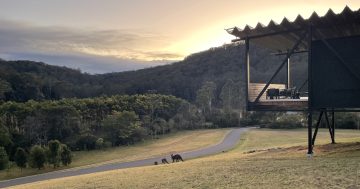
53 153
93 123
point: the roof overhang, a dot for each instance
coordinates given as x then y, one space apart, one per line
281 37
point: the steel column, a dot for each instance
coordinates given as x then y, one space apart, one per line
310 146
288 74
333 125
317 128
247 71
309 43
330 128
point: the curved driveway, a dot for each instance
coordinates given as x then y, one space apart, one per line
229 142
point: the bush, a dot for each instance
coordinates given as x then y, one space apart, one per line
4 159
20 158
107 144
224 119
139 134
346 120
66 156
99 143
86 142
287 121
54 152
37 157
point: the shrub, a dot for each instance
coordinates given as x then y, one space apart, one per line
224 119
287 121
99 143
346 120
54 152
107 144
4 159
66 156
37 157
20 158
87 142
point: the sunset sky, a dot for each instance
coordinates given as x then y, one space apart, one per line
99 36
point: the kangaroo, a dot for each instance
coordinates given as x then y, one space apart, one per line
176 158
163 161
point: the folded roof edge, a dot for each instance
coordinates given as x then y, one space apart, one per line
281 37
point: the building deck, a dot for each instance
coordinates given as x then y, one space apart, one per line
279 105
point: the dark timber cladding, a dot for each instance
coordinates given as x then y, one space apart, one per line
332 42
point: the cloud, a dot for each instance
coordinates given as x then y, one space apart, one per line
93 51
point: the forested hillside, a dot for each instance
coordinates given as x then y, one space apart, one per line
25 80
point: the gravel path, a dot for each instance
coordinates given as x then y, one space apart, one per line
229 142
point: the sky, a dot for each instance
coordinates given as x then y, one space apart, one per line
101 36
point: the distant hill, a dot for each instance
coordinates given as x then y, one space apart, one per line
25 80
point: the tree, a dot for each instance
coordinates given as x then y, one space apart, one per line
66 156
160 125
205 96
87 142
5 88
20 158
99 144
4 159
121 127
5 139
62 120
189 117
54 152
227 95
37 157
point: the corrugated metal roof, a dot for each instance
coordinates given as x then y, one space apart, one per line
280 37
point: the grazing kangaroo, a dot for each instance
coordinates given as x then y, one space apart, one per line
164 161
176 158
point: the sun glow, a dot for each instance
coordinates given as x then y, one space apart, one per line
202 40
130 54
215 35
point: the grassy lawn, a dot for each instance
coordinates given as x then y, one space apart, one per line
279 162
172 143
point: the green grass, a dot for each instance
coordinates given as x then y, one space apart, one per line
280 163
167 144
271 138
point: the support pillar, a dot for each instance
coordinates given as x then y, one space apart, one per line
288 85
310 108
247 71
310 146
333 125
331 131
317 128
